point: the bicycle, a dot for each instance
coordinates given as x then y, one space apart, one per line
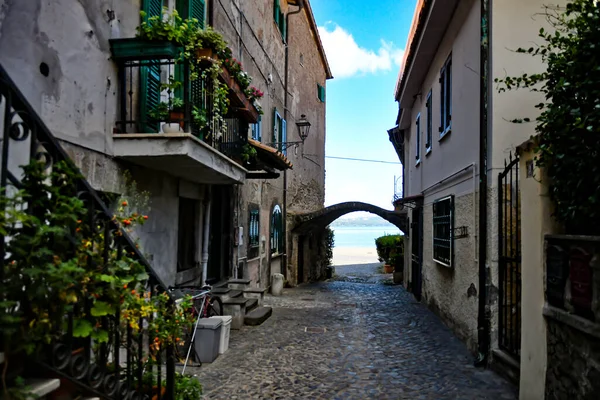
204 305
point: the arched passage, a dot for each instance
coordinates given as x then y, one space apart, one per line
318 220
307 233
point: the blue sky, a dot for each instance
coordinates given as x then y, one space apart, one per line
364 46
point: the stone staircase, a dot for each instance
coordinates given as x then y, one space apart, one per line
243 303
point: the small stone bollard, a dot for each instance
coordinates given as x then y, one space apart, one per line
277 284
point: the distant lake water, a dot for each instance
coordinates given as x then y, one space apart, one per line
360 236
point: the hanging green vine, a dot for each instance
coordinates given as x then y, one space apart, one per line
568 126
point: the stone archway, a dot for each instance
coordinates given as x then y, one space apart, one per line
307 230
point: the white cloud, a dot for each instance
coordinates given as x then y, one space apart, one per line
347 58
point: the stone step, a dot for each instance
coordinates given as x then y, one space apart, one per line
255 293
258 316
506 366
235 294
238 284
251 304
220 291
41 387
235 307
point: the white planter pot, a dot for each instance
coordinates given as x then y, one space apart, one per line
173 127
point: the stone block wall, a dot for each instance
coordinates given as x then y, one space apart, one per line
573 370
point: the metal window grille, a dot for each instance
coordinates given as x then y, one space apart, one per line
443 211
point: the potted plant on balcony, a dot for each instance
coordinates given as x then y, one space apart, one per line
171 113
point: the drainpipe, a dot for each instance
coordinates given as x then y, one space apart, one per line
206 234
483 315
300 5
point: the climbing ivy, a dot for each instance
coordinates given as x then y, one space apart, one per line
568 126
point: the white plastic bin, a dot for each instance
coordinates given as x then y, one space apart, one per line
225 330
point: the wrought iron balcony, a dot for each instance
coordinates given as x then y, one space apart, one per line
160 104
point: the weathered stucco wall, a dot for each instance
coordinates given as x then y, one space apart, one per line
514 24
158 236
58 54
452 292
459 148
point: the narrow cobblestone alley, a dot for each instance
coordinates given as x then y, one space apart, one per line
347 339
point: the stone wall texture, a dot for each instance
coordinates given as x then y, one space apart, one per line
452 292
250 30
573 370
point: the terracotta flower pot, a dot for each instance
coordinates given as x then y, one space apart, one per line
388 269
204 53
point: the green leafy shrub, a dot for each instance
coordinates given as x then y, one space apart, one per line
389 245
329 244
568 127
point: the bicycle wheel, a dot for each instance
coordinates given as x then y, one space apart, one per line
215 307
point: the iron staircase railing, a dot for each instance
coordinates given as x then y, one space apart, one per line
25 137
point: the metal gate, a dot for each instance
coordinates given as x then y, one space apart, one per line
509 252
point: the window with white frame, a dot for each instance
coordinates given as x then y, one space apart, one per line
446 98
429 127
253 232
443 225
276 230
418 138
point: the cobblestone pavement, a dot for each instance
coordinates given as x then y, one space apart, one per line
362 273
346 340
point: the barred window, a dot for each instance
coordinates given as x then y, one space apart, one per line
253 233
443 224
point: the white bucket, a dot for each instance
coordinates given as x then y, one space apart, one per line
225 330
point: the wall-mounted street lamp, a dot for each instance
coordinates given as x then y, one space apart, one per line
303 127
303 130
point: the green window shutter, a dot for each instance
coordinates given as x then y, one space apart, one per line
276 11
276 123
152 8
283 26
149 78
198 11
189 9
283 136
321 93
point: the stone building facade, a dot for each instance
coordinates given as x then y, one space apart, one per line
288 63
59 55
